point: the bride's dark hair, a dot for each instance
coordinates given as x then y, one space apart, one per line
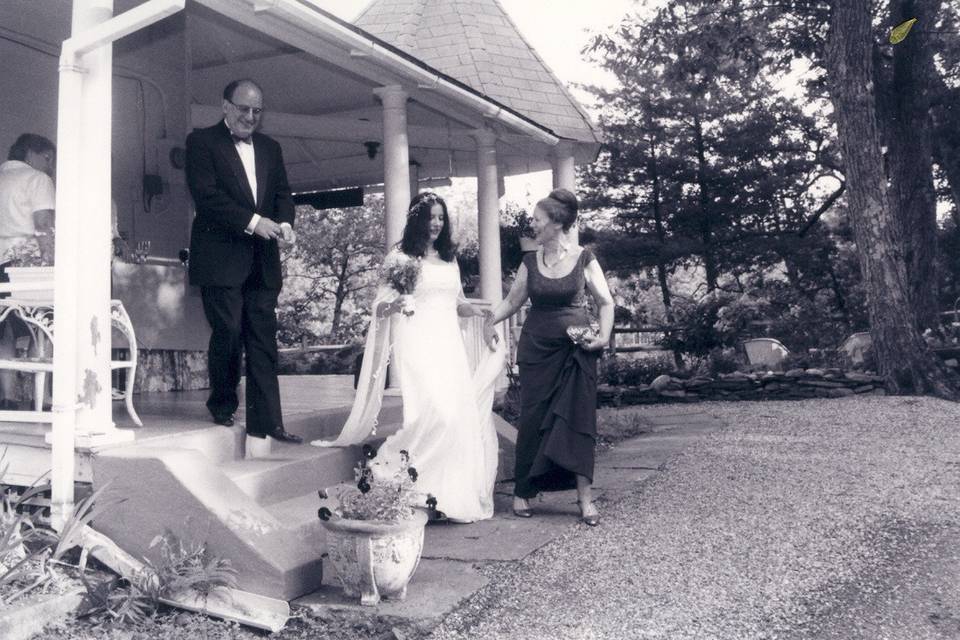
416 235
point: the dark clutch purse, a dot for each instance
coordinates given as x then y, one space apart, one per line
580 333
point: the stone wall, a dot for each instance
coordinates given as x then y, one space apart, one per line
796 384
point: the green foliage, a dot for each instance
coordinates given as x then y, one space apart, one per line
695 325
826 359
24 546
182 568
632 371
330 274
340 362
189 567
718 360
514 225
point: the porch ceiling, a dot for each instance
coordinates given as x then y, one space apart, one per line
320 102
319 92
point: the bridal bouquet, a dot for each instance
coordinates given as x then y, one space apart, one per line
402 275
390 499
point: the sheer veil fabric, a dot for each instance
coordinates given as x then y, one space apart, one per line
448 426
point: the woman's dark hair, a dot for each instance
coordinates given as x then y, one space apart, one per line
561 206
416 235
29 142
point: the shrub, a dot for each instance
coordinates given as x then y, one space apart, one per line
339 362
696 325
621 370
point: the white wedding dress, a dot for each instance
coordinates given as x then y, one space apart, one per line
448 427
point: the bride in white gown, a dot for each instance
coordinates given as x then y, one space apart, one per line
448 427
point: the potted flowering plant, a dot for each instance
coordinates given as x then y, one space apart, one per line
375 530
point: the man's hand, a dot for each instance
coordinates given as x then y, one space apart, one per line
267 229
288 236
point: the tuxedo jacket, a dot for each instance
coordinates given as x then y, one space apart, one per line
221 252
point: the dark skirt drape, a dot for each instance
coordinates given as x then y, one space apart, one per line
558 415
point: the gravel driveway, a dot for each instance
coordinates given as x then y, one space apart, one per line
812 519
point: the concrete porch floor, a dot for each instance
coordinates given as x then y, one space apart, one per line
313 407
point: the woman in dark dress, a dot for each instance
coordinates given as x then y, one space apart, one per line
558 376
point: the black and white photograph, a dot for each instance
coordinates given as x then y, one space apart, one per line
479 319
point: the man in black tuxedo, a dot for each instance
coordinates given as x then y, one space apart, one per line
244 210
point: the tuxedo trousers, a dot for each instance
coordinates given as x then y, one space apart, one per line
243 320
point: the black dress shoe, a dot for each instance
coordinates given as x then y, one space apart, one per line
285 436
224 420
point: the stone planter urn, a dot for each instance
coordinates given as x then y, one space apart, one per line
375 559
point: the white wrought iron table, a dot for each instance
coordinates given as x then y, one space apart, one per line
38 316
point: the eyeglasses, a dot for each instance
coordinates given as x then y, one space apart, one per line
251 111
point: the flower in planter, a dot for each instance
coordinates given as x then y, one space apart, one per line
376 496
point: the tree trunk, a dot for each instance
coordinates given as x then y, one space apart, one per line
903 358
340 295
654 173
706 226
662 271
910 156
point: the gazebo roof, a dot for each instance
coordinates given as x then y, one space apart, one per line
475 42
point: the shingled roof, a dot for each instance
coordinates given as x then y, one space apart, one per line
475 42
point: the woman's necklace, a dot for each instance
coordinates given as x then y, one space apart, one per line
561 253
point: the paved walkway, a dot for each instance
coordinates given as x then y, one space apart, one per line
451 569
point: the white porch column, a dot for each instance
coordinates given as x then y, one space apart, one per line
396 177
81 381
488 222
396 160
565 175
94 237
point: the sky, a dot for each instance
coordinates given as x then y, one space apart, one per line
558 30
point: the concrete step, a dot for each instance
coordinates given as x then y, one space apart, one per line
217 444
325 424
178 490
285 471
299 512
290 471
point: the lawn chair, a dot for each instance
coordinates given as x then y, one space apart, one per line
766 352
856 346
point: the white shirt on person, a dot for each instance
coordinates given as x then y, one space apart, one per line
23 191
249 161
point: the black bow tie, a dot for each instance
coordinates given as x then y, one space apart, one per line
239 140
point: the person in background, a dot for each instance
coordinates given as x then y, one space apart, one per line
27 203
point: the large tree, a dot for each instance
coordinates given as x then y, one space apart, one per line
902 356
704 160
904 78
331 268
